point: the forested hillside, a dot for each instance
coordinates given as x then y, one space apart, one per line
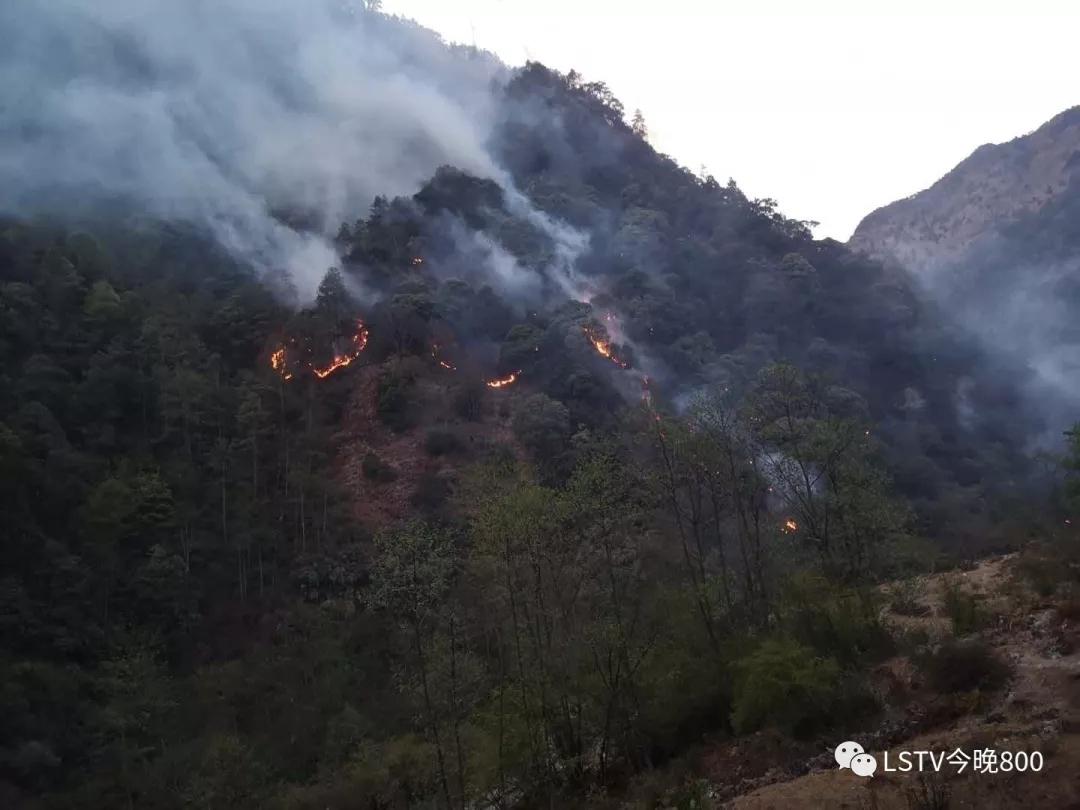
563 472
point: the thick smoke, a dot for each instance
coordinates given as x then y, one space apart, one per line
238 115
1023 307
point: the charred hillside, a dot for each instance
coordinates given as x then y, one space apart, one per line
693 285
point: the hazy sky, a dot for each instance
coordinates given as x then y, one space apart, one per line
832 107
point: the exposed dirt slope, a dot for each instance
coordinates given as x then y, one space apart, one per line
378 503
1038 711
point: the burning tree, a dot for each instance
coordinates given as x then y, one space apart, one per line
819 461
780 468
600 341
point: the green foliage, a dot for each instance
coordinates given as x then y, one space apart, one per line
102 305
392 397
785 684
1043 571
227 775
542 424
412 571
821 464
836 621
963 609
1051 565
153 470
905 598
188 618
520 347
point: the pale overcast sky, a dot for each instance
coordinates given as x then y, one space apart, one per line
832 107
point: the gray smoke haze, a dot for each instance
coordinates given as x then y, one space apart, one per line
227 112
1023 308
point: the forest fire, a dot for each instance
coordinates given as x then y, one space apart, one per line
790 526
279 358
277 361
359 343
503 382
444 363
603 348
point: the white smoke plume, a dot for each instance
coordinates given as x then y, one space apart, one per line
237 115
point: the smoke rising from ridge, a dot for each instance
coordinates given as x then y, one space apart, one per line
228 113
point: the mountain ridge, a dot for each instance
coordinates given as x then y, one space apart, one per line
996 183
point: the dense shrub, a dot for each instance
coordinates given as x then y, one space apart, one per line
960 666
904 599
442 442
786 685
375 469
431 492
963 610
392 398
1048 566
468 401
542 425
836 621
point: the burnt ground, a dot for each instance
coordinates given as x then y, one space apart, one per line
378 504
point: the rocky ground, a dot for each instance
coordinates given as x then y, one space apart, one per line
1037 710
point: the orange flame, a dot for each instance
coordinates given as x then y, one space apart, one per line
359 343
790 526
444 363
603 348
279 359
503 382
277 362
340 361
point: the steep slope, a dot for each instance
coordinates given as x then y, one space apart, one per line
685 282
996 184
995 243
240 569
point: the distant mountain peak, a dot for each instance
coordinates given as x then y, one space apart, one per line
990 188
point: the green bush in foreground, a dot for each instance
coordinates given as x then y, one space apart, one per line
963 610
784 684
